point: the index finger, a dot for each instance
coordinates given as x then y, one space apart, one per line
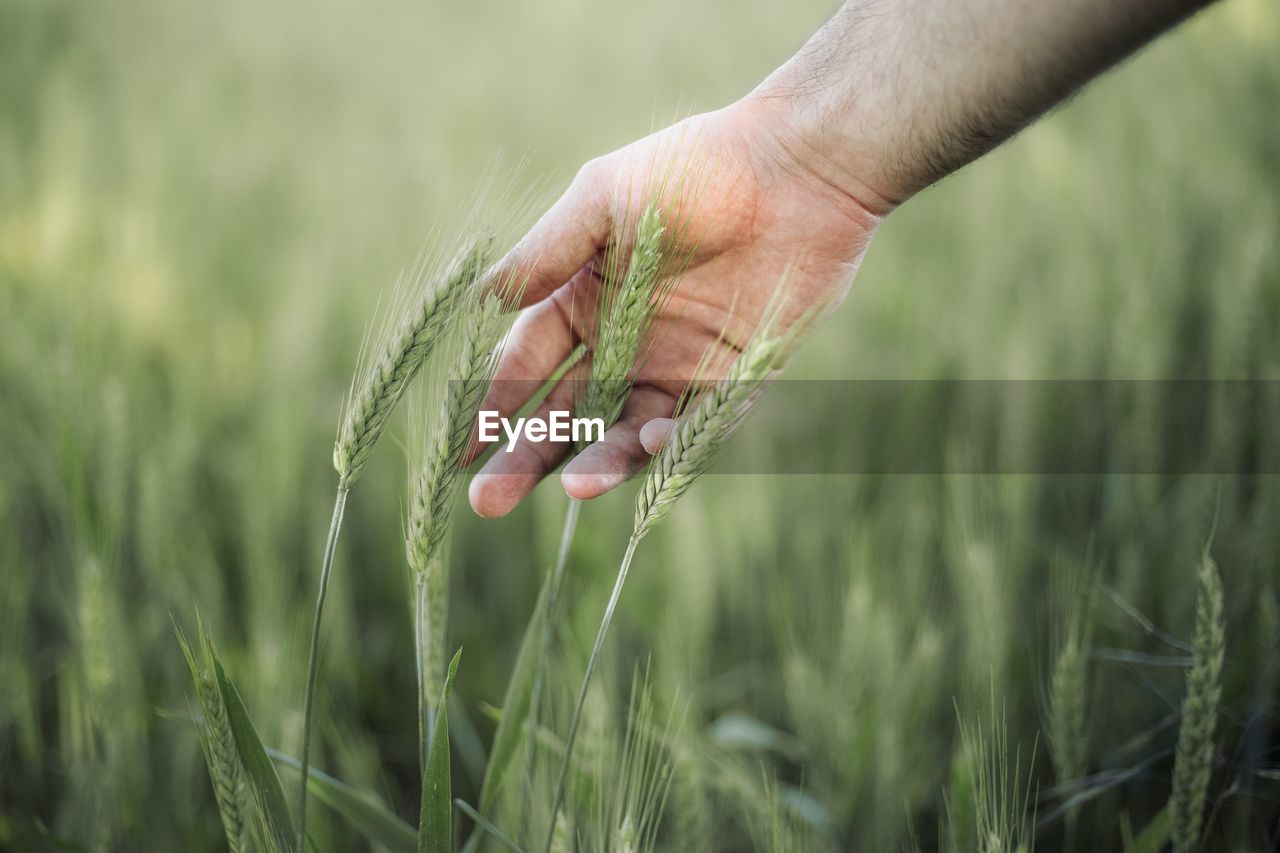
561 243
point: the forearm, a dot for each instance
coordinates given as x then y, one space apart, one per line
892 95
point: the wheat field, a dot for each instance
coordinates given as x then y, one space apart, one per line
204 210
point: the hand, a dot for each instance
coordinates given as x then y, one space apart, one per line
760 210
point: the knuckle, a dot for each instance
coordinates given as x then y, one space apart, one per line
592 173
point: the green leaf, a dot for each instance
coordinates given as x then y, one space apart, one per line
515 706
435 830
263 781
1153 837
484 826
374 821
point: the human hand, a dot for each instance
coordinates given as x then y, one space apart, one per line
764 207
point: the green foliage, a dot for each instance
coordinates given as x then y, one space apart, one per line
435 818
516 707
1154 836
366 815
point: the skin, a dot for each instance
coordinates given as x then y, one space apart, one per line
887 98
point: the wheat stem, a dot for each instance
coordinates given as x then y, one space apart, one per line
544 649
330 546
553 593
421 639
592 661
562 555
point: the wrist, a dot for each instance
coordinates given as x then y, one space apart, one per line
803 141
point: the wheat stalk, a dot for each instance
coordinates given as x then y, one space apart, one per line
313 655
627 309
1194 760
433 486
217 742
364 417
687 454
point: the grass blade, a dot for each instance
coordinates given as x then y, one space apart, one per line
1153 837
515 709
485 826
435 830
374 821
260 772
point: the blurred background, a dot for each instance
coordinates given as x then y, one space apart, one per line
200 205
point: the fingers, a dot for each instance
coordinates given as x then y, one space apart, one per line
655 433
563 241
604 465
508 477
538 343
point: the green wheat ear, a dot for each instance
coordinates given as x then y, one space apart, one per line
1067 709
639 773
399 359
1194 762
1001 799
699 436
627 311
1068 693
217 741
439 449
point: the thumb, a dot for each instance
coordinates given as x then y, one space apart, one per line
563 241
